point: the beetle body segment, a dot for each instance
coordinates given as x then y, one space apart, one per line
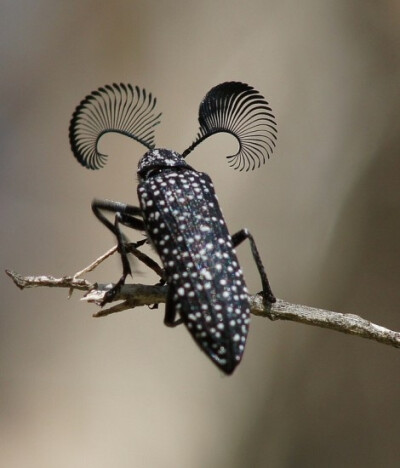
206 285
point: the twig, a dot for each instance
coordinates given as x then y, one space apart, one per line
49 281
345 323
134 295
97 262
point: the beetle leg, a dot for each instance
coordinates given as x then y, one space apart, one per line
126 268
148 261
237 239
127 215
170 319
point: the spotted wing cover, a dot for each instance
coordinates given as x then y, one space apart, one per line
206 285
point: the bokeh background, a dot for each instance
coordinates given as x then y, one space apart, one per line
125 391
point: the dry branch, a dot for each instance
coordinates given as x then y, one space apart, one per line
134 295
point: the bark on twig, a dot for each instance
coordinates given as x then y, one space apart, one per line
134 295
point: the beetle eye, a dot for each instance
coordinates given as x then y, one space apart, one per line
152 172
147 172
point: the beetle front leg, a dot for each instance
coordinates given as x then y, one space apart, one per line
126 268
237 239
127 215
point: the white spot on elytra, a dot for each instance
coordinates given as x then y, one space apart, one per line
206 274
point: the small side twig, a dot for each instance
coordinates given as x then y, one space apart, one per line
134 295
97 262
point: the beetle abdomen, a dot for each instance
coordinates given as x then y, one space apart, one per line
207 288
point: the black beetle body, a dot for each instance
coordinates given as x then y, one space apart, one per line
206 285
179 209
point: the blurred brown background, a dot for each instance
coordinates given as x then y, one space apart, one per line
125 391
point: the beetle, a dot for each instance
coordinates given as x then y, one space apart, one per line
179 211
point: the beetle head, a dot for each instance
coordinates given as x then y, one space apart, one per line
159 159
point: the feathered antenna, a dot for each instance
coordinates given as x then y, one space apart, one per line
113 108
240 110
